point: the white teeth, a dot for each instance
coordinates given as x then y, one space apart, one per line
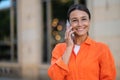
80 29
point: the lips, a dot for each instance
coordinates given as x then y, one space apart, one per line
80 29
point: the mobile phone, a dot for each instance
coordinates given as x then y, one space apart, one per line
68 25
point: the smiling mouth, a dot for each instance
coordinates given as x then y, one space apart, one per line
80 29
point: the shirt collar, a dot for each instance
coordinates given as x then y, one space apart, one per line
88 41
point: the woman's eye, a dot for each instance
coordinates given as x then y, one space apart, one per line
74 21
84 19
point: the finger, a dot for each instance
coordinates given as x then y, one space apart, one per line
71 32
67 31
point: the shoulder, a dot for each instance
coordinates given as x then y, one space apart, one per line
60 46
97 43
59 49
102 48
102 45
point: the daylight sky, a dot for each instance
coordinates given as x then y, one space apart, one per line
5 4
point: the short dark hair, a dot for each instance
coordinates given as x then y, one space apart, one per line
78 7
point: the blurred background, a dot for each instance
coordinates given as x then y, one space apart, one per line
29 30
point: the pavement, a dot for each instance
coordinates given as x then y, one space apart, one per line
5 78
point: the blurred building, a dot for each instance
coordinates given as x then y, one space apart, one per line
29 30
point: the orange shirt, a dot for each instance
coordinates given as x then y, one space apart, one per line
94 61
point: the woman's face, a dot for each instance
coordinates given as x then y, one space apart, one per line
80 22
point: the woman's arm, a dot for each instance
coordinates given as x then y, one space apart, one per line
107 65
58 69
59 63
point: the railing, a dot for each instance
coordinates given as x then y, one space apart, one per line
10 70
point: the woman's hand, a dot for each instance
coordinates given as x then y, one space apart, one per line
70 44
68 36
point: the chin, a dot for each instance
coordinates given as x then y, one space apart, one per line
80 34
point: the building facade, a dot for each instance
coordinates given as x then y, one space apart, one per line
33 27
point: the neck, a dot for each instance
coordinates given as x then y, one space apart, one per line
80 39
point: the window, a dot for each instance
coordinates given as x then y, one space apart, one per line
8 32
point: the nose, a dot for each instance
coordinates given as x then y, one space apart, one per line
80 23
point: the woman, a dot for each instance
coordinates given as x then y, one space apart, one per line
80 57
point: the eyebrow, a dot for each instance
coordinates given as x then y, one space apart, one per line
81 17
84 17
